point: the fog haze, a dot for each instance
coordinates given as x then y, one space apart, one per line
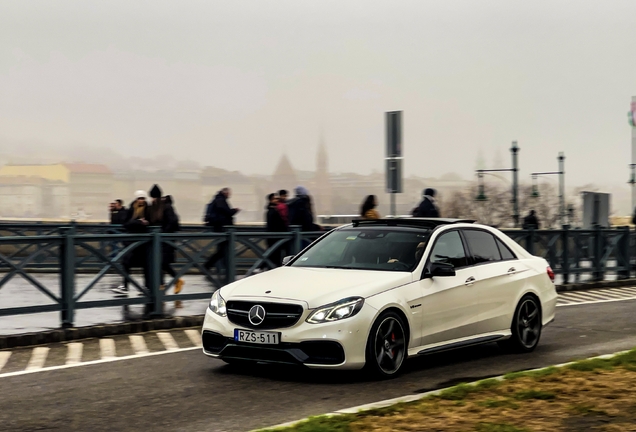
236 84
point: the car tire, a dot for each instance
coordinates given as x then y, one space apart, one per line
526 326
387 346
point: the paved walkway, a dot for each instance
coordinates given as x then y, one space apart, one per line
19 292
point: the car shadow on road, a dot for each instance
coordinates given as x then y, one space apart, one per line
429 366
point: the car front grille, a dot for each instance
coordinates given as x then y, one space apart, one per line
277 315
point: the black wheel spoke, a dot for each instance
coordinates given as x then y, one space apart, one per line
390 345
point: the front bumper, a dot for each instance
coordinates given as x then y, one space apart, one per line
335 345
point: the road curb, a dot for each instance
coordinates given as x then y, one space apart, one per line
99 331
413 398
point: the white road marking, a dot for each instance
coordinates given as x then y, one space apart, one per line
107 348
94 362
4 358
38 358
138 344
168 341
74 353
194 335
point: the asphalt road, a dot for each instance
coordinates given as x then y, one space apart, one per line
186 391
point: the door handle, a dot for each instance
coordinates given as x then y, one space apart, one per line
470 281
512 270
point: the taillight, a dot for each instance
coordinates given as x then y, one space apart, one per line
550 273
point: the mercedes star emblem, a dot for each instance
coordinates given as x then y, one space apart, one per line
257 315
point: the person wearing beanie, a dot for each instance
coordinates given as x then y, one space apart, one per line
162 215
428 207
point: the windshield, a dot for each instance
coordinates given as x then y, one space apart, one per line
367 249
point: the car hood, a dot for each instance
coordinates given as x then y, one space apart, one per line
314 286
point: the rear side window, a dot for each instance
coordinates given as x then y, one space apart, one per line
506 253
483 246
449 249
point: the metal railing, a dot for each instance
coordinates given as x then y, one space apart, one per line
74 252
574 255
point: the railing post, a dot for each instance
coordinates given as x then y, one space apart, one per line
565 255
154 273
67 276
625 250
231 255
598 248
296 240
530 242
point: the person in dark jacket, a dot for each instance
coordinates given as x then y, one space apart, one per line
220 215
162 214
136 222
428 207
118 213
300 211
274 223
531 221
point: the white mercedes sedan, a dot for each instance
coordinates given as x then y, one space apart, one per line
372 293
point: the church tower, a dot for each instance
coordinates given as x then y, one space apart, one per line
322 185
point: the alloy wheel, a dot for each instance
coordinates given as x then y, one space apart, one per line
390 345
529 323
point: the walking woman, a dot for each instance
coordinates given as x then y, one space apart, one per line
368 211
136 222
162 214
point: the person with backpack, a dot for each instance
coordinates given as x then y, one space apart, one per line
219 214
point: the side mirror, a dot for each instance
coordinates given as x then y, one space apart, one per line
287 259
440 270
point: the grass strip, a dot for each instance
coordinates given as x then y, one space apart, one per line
590 394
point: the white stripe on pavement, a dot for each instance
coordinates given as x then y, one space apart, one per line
138 344
38 358
4 358
94 362
194 336
168 341
74 353
107 348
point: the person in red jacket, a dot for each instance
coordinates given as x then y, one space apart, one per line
282 206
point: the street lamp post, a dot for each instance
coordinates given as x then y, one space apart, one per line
514 150
561 174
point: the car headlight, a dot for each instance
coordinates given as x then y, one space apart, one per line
217 304
342 309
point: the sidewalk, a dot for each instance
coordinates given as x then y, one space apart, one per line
19 292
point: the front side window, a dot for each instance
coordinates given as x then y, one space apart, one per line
449 249
367 249
482 246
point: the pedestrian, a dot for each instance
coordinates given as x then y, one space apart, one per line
118 213
275 224
428 207
137 222
282 206
162 215
219 214
531 222
300 211
368 209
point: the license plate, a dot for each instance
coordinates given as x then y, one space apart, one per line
262 338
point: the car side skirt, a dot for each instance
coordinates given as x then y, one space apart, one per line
463 343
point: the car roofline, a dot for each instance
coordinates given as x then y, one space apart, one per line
430 223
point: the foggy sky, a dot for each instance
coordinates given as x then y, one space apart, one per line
235 83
